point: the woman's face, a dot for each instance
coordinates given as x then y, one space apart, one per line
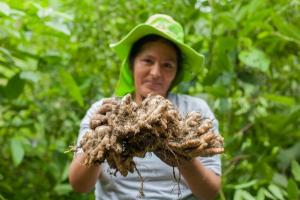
154 69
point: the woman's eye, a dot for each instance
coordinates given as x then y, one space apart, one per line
147 61
168 65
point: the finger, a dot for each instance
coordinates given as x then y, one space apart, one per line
106 108
98 120
192 143
207 152
110 101
204 127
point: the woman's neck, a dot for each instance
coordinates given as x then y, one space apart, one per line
139 98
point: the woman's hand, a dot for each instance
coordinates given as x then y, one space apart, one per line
81 177
204 183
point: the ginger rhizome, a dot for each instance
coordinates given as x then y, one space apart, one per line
122 130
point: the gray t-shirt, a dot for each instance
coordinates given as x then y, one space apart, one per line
159 182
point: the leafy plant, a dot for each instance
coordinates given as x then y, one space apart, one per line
55 61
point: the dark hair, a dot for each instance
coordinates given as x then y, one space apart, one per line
138 45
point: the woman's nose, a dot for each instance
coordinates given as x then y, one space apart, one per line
155 70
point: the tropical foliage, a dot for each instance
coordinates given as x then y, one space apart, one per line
55 61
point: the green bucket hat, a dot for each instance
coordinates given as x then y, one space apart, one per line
164 26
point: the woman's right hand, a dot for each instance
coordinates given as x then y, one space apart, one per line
82 177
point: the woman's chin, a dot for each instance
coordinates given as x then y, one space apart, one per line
153 92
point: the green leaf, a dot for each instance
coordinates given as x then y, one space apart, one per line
62 189
59 27
17 151
217 90
276 191
71 86
5 55
253 6
14 87
4 8
242 195
246 185
255 58
237 195
65 172
269 195
226 22
292 189
286 156
296 170
286 29
6 72
290 101
45 12
280 179
65 16
247 196
17 12
30 76
260 194
2 198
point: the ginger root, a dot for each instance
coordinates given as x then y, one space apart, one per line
122 130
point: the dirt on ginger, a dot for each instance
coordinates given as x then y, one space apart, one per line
122 130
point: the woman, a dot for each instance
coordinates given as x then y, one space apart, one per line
155 59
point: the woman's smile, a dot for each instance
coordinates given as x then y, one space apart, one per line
153 85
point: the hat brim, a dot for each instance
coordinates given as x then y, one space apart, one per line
191 66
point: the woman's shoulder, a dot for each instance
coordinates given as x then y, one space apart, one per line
97 103
187 99
186 103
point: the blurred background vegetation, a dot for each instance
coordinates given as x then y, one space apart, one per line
55 61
